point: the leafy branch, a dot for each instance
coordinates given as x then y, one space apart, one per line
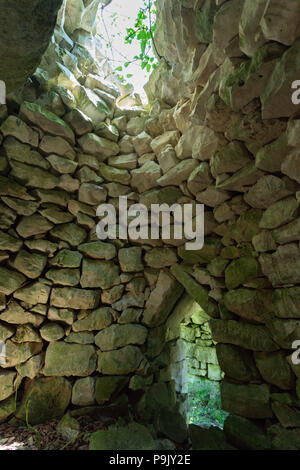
142 31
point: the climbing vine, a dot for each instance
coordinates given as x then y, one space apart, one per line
142 31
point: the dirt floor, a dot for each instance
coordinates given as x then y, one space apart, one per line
45 437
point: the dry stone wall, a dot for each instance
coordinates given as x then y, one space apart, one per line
96 324
229 80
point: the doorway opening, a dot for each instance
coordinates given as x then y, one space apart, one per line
194 364
203 372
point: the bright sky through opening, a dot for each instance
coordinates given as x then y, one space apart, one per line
119 53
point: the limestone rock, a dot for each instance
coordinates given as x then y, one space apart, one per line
146 177
208 438
206 143
121 361
247 226
246 82
178 174
256 131
162 299
244 434
184 148
64 359
253 305
95 145
98 250
33 176
240 271
46 120
68 297
171 424
212 196
70 233
271 156
16 354
79 122
199 179
91 194
124 162
80 338
52 332
9 243
6 332
132 437
116 175
13 189
135 126
91 104
95 321
141 143
55 196
267 191
108 131
282 267
24 52
94 81
287 233
287 416
26 333
249 401
226 26
7 408
62 315
167 158
286 302
169 195
108 387
126 145
21 207
160 257
68 428
67 259
230 159
117 336
276 97
284 331
204 21
131 259
10 281
275 369
7 217
83 392
279 213
62 165
19 129
253 337
45 398
236 363
35 293
290 166
104 274
7 379
56 145
30 368
168 138
30 264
